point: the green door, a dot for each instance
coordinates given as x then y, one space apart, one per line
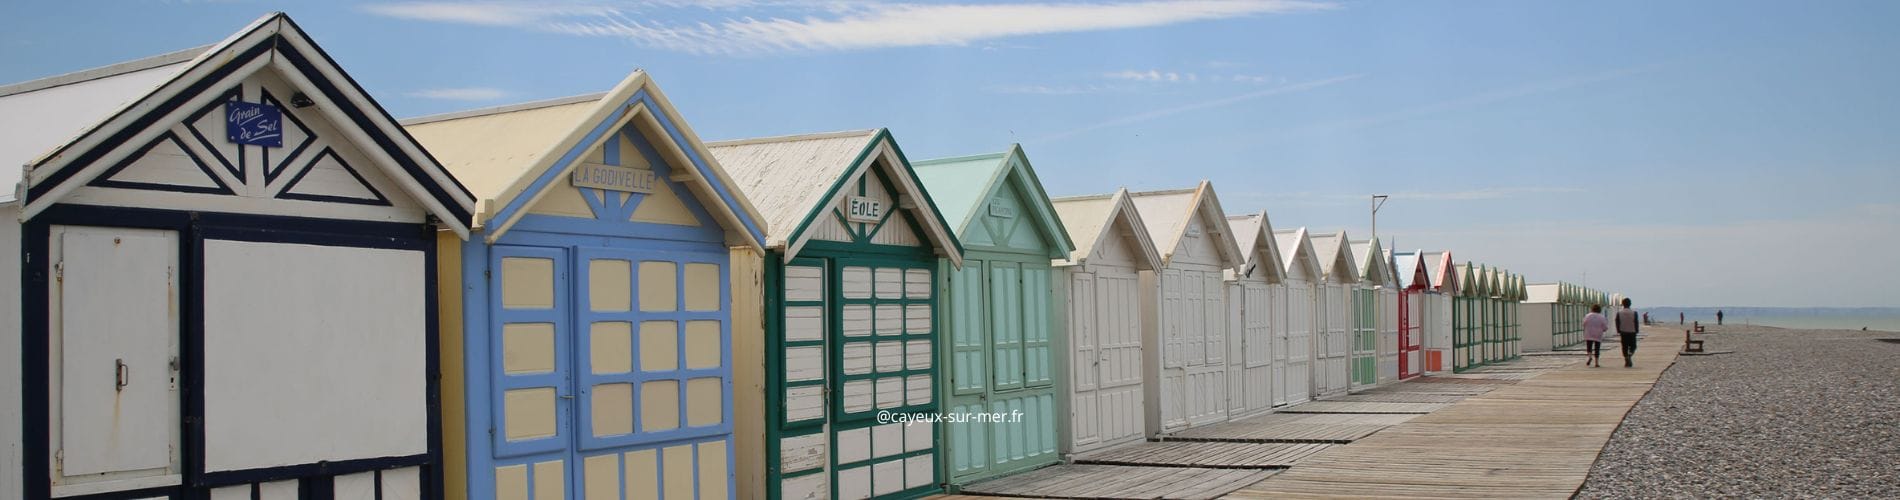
1001 414
1365 338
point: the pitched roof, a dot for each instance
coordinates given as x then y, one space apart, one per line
962 184
116 105
1253 233
788 177
1372 263
1332 252
1092 220
1302 253
507 155
62 107
1168 212
1406 266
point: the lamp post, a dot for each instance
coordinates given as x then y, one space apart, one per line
1378 200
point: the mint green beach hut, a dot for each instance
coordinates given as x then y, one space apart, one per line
997 359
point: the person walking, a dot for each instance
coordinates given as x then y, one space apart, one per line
1718 316
1626 331
1593 327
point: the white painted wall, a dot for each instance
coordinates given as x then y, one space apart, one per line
317 351
10 464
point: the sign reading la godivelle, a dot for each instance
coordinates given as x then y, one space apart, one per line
613 178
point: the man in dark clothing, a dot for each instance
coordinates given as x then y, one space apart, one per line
1626 331
1718 316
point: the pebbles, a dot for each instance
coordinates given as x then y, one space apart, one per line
1787 414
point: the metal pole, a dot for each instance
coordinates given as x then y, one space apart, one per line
1378 200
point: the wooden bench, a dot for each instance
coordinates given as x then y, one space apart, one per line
1690 343
1698 327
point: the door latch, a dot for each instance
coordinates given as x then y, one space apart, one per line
120 374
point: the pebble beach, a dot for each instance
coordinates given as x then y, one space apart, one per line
1774 413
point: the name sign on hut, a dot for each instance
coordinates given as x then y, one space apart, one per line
254 124
613 178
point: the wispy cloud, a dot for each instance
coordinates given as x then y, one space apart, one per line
1158 76
1480 99
1052 89
1158 113
753 26
460 94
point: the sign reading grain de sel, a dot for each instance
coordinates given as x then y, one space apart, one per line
613 178
863 209
254 124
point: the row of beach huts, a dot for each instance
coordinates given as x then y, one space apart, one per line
240 278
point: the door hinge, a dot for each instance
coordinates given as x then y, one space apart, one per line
488 274
59 272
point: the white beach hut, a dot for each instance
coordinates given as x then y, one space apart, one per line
1438 324
1544 313
1103 300
1332 346
1414 286
1185 318
1253 302
1296 317
225 261
1375 347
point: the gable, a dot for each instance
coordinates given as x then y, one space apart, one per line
877 220
645 198
340 155
1006 221
1200 243
193 164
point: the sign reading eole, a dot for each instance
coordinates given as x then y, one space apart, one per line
863 209
613 178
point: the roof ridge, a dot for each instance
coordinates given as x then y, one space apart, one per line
110 70
1082 197
790 138
505 108
951 159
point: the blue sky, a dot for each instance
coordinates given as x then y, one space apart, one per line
1683 152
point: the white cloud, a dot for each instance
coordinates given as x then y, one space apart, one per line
460 94
1158 76
1052 89
782 26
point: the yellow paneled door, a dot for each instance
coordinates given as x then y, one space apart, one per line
610 374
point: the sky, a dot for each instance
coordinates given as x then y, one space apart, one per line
1684 153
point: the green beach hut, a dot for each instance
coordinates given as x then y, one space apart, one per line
998 321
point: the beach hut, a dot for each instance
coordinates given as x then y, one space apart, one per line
998 314
1103 307
1186 322
850 293
1440 308
1414 281
1375 336
1513 319
594 325
1296 317
1467 325
225 262
1253 302
1544 315
1332 344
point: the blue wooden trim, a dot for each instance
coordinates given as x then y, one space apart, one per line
478 416
626 229
726 194
520 201
191 125
556 379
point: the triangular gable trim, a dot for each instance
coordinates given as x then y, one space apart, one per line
303 65
1275 265
1208 208
1121 206
1304 252
1376 261
637 97
1343 253
882 146
1018 171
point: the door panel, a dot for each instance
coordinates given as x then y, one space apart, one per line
115 345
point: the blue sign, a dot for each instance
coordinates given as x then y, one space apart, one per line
254 124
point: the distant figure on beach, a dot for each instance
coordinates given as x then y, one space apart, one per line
1645 314
1593 327
1718 316
1682 318
1626 331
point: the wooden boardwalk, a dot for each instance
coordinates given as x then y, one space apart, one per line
1119 482
1536 438
1200 454
1330 406
1338 428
